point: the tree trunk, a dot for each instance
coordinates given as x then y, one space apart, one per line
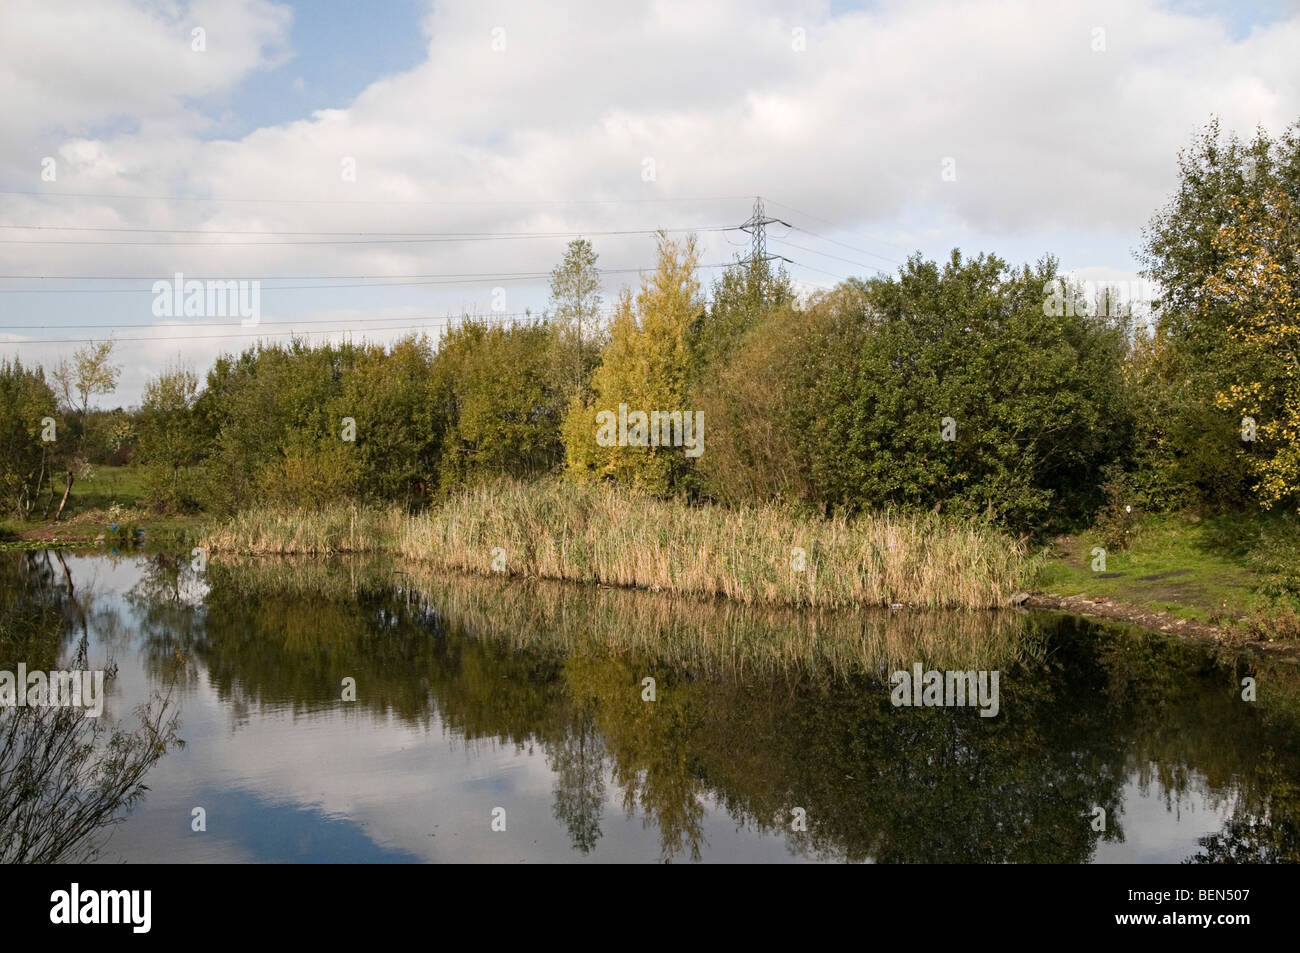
63 502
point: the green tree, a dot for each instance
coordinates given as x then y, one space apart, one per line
1259 284
743 298
494 394
740 347
645 366
388 392
575 319
1222 178
27 409
90 373
110 436
272 418
957 388
169 441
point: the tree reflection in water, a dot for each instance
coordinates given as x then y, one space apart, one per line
758 713
65 779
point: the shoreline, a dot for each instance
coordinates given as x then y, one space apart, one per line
1097 608
1231 629
1161 622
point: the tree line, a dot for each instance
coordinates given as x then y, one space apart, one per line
953 385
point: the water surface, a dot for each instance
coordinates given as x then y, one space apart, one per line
477 697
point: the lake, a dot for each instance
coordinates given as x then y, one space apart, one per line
363 710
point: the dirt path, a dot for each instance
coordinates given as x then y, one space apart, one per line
1102 608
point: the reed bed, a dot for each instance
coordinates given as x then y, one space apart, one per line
330 531
616 537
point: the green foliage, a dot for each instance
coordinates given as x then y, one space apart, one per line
26 460
746 400
1037 401
497 402
169 443
109 437
575 321
389 395
263 414
1118 519
645 366
744 297
845 402
298 425
738 347
1275 554
1196 355
1257 279
89 373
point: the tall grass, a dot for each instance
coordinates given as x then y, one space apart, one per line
617 537
324 532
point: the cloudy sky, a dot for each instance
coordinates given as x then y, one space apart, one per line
417 160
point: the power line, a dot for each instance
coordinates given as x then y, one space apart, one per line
819 270
814 251
833 241
520 276
428 323
604 312
205 337
798 212
443 202
755 226
862 251
248 231
485 237
376 281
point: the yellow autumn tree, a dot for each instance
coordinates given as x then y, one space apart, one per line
1258 279
643 369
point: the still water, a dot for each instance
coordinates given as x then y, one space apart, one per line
483 703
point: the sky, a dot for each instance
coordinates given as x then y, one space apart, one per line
416 161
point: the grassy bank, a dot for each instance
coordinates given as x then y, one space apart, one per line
107 505
615 537
1233 571
1237 572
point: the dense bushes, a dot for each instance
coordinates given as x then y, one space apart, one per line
269 426
497 403
296 425
943 388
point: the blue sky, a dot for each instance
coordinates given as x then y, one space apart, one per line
335 55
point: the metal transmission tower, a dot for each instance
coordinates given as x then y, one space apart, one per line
756 226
